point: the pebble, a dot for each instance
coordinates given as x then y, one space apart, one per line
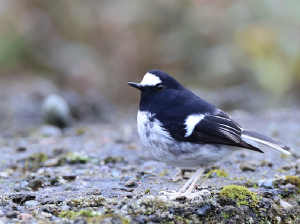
21 149
56 111
32 203
17 187
204 210
123 189
65 208
52 162
94 192
126 177
24 216
49 130
22 197
69 177
285 205
24 184
266 183
247 167
33 184
130 183
12 214
46 214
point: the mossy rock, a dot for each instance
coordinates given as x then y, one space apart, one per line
294 180
219 173
241 195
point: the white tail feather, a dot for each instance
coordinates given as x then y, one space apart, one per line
251 140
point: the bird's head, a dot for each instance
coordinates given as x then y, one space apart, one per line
155 82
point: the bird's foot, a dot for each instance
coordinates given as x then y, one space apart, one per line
175 195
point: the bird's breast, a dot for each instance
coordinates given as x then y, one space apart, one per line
150 129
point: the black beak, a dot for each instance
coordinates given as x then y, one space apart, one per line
136 85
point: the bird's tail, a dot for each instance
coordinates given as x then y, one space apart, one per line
253 138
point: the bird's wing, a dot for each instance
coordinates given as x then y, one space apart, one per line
218 128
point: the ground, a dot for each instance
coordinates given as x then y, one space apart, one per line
101 173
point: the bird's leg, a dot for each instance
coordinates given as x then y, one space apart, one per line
181 189
189 181
188 194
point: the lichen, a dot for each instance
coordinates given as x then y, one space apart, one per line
219 173
76 157
87 201
162 174
294 180
242 195
83 213
113 159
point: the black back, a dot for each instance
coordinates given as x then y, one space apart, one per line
175 103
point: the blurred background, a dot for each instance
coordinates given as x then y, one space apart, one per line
237 54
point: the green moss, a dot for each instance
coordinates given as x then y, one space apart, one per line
225 215
82 213
180 219
162 174
38 157
108 218
80 131
293 180
113 159
220 173
240 194
147 191
281 170
76 157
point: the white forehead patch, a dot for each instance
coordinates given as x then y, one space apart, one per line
150 80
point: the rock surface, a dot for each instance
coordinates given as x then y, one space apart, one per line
102 173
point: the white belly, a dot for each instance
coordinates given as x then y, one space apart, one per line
176 153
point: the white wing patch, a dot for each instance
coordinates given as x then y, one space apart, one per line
150 80
191 122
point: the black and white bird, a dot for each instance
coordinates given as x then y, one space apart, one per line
183 130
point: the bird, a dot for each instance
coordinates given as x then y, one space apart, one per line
183 130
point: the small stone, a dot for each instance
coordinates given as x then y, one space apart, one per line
49 130
95 192
130 183
126 177
204 210
287 167
52 162
21 149
33 184
46 214
47 184
266 183
24 184
47 201
69 177
247 167
22 197
123 189
54 180
24 216
12 214
65 208
56 111
285 205
17 187
32 203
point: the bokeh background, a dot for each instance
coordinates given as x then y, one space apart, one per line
237 54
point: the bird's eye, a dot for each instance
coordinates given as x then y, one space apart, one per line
159 87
